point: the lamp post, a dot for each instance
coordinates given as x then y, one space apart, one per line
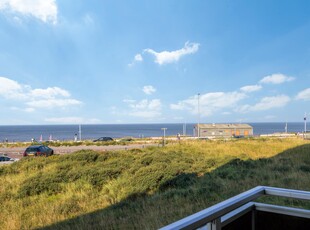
80 132
305 120
198 128
164 129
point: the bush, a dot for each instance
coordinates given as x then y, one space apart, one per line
83 155
39 184
68 206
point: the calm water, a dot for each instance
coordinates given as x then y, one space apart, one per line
67 132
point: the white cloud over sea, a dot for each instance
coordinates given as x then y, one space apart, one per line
44 10
210 103
251 88
227 103
148 89
72 120
167 57
144 108
267 103
50 97
304 95
277 78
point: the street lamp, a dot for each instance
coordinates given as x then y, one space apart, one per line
305 120
164 129
80 132
198 129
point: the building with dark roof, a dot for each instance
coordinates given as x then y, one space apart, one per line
223 130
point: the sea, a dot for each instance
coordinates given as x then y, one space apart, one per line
20 133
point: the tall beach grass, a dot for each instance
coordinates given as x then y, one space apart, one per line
144 188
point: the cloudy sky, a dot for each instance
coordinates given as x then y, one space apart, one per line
111 61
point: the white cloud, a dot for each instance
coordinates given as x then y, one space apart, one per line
209 102
50 97
144 108
145 114
72 120
267 103
251 88
52 103
44 10
304 95
138 57
276 79
166 57
11 89
270 117
50 92
148 89
28 110
128 101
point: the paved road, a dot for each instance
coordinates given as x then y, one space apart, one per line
17 152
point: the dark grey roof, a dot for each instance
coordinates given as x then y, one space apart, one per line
225 126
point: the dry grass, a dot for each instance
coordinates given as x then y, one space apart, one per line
144 189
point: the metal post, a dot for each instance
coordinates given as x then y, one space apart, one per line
198 129
305 119
253 219
164 129
80 132
216 224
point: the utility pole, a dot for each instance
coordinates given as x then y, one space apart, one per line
305 120
164 129
198 128
184 129
80 132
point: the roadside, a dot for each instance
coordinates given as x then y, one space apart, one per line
17 152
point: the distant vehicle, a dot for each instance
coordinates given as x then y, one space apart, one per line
127 139
38 150
104 139
7 159
238 136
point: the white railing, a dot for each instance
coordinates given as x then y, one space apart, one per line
221 214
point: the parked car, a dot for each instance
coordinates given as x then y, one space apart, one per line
38 150
6 159
104 139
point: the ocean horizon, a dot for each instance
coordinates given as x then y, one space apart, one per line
15 133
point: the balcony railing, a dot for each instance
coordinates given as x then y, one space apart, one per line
222 215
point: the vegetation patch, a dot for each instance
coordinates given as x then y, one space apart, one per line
113 190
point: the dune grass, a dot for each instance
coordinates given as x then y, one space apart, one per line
145 188
120 141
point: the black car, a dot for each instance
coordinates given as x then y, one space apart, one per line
104 139
38 150
6 158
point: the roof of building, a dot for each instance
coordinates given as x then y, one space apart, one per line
225 126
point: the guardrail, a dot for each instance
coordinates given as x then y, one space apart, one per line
221 214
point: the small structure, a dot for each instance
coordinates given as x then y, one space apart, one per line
223 130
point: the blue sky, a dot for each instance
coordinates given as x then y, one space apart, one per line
97 61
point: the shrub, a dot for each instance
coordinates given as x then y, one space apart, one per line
69 206
305 168
83 155
40 184
181 181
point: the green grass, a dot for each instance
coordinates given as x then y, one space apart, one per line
145 188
